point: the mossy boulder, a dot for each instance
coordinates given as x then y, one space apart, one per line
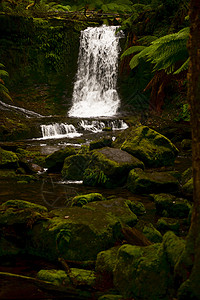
151 233
80 233
138 271
103 167
106 261
61 278
168 205
114 163
147 145
188 187
21 204
173 247
8 159
110 297
75 166
55 161
20 212
81 200
101 143
143 182
166 224
136 207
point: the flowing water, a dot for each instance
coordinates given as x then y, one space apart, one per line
95 89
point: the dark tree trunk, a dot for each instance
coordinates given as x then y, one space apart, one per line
189 267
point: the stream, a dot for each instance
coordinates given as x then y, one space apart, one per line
94 114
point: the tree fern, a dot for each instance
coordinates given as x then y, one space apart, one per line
164 52
132 50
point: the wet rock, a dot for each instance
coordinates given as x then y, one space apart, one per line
106 167
151 233
109 167
149 146
138 271
81 200
137 207
101 143
79 233
173 247
141 182
187 188
61 278
54 162
166 224
21 204
170 206
75 166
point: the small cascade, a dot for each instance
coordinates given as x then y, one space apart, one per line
98 126
56 131
95 93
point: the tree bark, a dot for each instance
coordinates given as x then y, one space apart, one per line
191 258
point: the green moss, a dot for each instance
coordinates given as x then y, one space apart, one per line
171 205
21 204
106 261
81 200
151 233
140 182
57 277
60 278
138 271
136 207
173 247
149 146
8 158
166 224
55 160
4 173
75 166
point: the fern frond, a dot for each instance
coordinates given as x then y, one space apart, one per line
147 40
131 50
3 73
183 67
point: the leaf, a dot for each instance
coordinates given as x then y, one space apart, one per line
183 67
131 50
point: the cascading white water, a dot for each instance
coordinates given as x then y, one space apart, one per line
98 126
95 93
59 131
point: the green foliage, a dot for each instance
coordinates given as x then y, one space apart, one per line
3 89
166 53
94 177
184 114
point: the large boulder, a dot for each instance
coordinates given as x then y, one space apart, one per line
55 161
142 272
170 206
103 167
147 145
143 182
73 233
110 167
75 166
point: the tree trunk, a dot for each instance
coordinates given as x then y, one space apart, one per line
190 262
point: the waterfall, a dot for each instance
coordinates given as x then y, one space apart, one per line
59 131
95 93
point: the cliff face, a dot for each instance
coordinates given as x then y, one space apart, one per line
41 58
